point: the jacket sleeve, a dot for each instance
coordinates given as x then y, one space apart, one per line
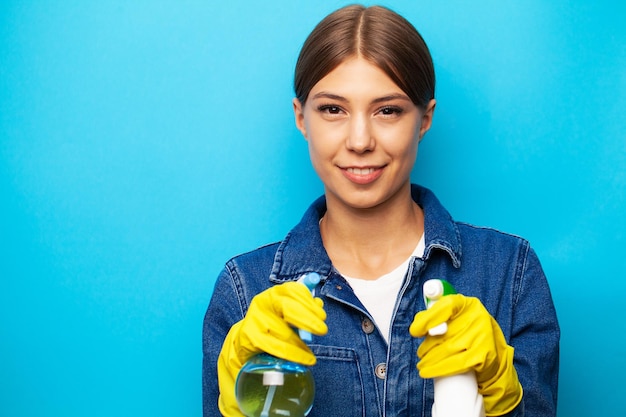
225 309
535 336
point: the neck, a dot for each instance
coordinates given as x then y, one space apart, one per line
368 243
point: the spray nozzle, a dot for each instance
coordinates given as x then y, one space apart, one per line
310 280
434 289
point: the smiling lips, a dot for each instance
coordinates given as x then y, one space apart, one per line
362 176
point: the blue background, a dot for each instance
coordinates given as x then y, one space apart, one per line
144 143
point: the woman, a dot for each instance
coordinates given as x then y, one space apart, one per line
364 85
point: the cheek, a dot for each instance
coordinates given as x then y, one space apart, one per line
318 148
319 154
324 138
320 160
401 140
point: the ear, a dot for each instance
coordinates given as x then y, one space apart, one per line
427 118
298 112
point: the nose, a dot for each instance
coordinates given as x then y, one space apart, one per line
360 138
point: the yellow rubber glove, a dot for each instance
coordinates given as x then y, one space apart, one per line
474 341
268 326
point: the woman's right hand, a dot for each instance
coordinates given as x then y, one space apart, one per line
268 326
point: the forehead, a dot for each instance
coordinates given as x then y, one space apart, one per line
356 78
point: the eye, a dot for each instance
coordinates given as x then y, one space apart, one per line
391 111
329 109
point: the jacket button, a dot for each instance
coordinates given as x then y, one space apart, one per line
367 325
381 370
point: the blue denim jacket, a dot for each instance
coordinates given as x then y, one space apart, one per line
357 372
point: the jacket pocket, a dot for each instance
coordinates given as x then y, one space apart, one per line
338 383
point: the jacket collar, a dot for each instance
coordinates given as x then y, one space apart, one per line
302 249
440 230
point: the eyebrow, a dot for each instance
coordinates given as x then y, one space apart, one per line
382 99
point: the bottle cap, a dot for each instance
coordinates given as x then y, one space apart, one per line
310 280
433 288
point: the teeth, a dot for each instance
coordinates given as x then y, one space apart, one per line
361 171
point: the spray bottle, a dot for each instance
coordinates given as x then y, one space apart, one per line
455 395
268 386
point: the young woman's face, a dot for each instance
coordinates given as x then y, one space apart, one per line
363 132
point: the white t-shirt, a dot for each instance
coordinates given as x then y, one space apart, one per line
379 295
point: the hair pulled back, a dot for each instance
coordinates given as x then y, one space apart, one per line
375 33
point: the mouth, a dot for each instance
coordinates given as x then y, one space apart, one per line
363 175
360 171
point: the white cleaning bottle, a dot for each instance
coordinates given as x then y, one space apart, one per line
455 395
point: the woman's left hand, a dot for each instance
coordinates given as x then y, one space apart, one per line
473 342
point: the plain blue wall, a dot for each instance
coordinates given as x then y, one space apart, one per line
143 143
